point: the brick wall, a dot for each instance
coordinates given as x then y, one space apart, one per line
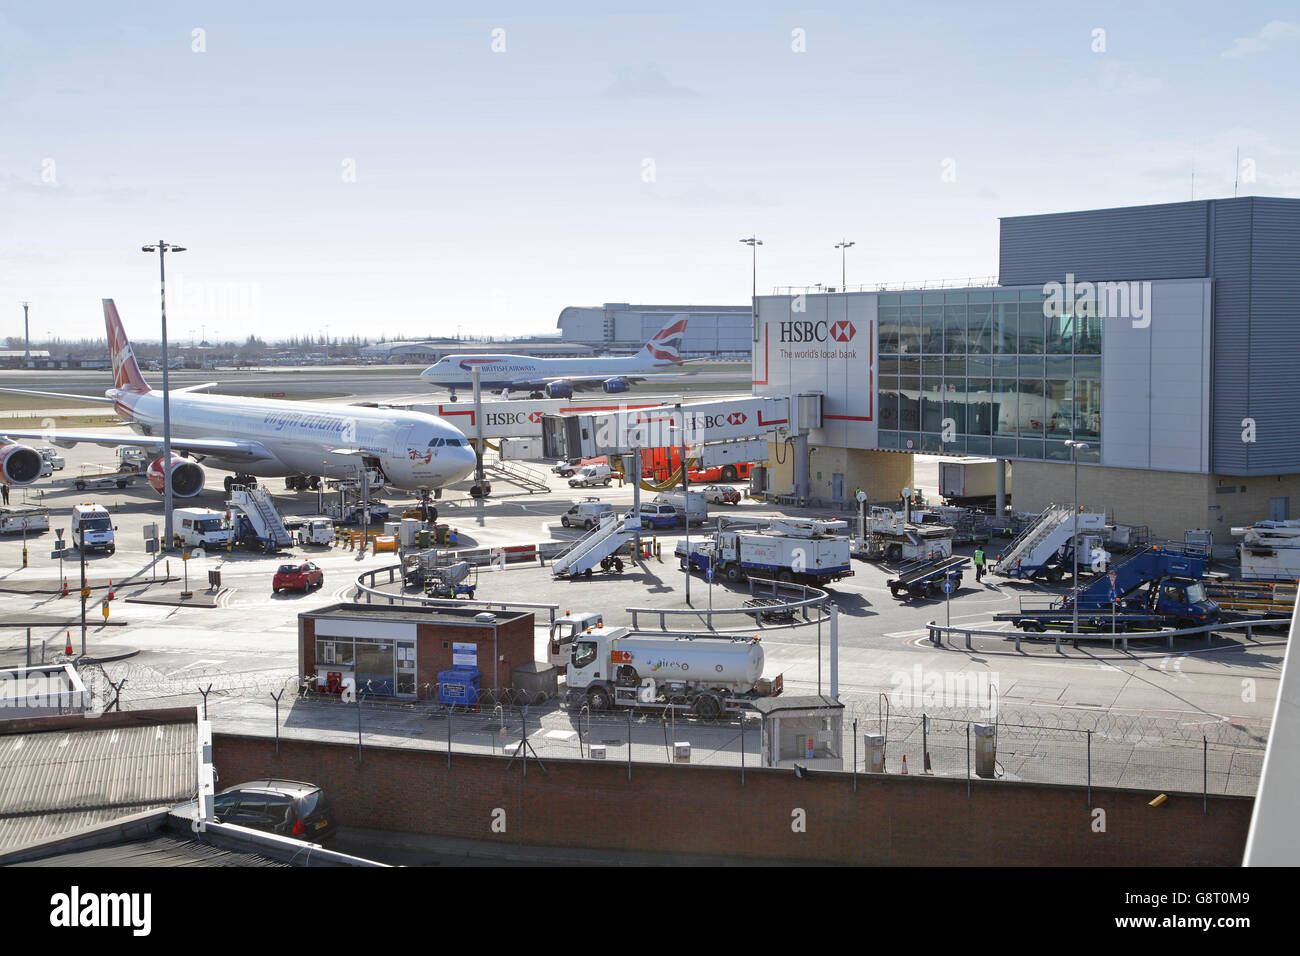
704 810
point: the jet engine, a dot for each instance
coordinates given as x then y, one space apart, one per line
187 477
613 386
559 390
20 465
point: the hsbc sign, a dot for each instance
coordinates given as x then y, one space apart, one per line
521 418
821 331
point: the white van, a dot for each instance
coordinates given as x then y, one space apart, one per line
590 475
692 505
202 527
92 528
586 514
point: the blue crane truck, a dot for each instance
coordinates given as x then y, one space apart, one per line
1155 589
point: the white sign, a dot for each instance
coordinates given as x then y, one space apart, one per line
464 655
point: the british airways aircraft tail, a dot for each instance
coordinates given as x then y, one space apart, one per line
665 347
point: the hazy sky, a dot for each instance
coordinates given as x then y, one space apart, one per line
380 169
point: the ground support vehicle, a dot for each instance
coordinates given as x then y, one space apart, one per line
807 551
708 676
1156 589
925 578
17 519
891 537
1043 549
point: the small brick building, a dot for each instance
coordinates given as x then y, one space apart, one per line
394 651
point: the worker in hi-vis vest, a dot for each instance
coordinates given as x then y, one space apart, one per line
979 564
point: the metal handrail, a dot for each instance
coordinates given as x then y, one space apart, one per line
803 604
938 630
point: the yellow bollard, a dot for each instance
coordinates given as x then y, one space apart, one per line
1158 800
104 607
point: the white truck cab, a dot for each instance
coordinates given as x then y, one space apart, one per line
565 630
316 531
202 527
92 528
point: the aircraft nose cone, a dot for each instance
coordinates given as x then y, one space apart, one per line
462 464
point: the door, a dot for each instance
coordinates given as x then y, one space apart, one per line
837 487
375 668
1279 509
405 668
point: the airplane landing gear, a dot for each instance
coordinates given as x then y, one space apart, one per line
248 481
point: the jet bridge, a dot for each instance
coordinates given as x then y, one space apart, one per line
697 425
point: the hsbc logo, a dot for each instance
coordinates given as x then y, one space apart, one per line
842 331
736 418
497 419
534 417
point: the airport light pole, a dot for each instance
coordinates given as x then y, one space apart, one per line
842 245
27 339
162 248
1076 447
753 242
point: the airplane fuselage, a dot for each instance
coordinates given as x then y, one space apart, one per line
414 450
455 372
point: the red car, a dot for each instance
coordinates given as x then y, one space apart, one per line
297 577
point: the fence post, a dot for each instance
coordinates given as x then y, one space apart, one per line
276 698
629 743
1090 768
968 759
1205 774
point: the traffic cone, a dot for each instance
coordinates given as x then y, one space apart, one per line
904 765
110 589
65 588
67 648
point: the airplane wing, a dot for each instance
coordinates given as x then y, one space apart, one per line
225 448
67 396
587 382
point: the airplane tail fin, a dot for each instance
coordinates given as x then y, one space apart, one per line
126 373
665 347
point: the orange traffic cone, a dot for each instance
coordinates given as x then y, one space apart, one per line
67 648
65 588
904 764
110 589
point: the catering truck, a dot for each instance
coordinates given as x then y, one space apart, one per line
970 481
788 549
708 676
92 528
202 528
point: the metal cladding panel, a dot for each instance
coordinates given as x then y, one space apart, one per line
1257 338
1155 391
1230 265
1138 242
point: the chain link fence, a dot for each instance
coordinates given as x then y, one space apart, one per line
1066 745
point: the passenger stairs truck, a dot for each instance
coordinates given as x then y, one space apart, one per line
1043 549
597 547
1159 588
706 676
808 551
255 521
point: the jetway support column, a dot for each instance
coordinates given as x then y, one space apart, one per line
801 465
635 474
1000 476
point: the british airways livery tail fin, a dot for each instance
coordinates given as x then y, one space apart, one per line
665 347
126 373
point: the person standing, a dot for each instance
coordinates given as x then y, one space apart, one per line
4 490
979 564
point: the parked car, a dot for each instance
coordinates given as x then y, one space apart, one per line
721 495
566 468
288 807
297 577
586 514
656 515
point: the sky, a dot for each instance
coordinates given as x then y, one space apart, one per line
420 169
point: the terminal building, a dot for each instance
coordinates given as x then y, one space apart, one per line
1165 338
712 331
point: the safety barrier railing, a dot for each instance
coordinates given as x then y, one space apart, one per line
939 631
366 585
785 608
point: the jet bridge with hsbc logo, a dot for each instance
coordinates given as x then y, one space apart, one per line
715 433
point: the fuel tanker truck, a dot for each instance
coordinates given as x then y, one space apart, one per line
610 667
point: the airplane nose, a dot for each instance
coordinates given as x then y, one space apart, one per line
462 464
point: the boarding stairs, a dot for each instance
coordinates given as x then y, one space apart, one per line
255 504
598 544
530 479
1040 542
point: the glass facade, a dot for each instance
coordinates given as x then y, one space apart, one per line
985 372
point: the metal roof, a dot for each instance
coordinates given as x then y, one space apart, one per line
56 782
162 850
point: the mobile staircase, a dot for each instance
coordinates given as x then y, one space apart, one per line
529 479
591 549
1039 550
255 519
